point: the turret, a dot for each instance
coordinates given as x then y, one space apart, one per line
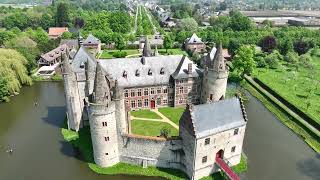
215 77
147 48
103 124
101 89
74 110
156 53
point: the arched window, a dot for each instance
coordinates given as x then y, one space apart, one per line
150 72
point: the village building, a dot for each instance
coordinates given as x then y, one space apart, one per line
101 94
56 32
194 44
168 22
49 63
92 43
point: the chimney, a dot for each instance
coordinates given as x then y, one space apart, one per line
190 68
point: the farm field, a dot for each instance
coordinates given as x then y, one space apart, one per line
301 88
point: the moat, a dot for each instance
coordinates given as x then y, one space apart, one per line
39 151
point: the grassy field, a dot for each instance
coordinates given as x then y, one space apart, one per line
108 54
301 88
174 114
172 52
145 113
151 128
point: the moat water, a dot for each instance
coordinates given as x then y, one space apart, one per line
39 151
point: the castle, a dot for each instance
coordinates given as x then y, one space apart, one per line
101 94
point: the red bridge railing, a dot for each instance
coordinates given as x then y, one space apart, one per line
226 169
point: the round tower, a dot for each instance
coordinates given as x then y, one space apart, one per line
103 125
215 77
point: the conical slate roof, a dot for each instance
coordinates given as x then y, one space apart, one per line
146 49
218 62
101 87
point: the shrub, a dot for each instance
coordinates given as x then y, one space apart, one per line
273 59
291 57
260 62
315 52
120 54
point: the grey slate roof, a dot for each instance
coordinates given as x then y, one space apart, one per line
80 58
209 119
91 40
116 67
194 39
182 70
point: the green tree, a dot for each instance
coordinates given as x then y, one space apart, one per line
188 24
285 46
120 22
243 62
167 42
67 35
46 21
62 15
19 20
268 44
239 22
119 41
13 70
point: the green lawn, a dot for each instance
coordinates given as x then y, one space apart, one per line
174 114
145 113
151 128
172 52
108 54
301 88
67 134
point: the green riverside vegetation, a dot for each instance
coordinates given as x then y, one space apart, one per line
310 139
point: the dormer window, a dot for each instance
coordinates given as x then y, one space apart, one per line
162 71
82 65
150 72
137 73
125 74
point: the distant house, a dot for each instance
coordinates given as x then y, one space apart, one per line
49 63
71 43
194 44
56 32
92 43
167 21
52 57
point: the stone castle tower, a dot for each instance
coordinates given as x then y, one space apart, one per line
215 76
74 111
103 123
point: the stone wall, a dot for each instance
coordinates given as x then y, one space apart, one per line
151 151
